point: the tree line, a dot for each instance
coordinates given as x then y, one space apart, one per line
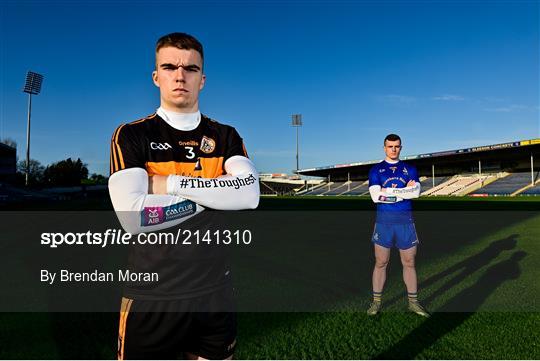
64 173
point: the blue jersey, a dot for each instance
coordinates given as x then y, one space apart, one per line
396 175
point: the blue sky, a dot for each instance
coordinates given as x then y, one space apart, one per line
443 75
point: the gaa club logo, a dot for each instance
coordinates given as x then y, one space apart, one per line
208 145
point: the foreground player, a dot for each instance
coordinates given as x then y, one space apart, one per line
392 185
163 172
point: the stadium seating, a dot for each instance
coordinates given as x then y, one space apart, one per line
533 191
266 189
458 185
357 188
507 185
333 188
282 186
434 190
337 188
319 190
428 182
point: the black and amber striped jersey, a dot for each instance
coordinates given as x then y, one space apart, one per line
154 145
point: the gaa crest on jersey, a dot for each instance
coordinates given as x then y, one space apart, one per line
393 169
160 146
208 144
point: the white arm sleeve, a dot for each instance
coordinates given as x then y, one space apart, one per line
405 193
128 190
238 189
377 196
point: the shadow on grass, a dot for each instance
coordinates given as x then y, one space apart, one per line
440 324
465 268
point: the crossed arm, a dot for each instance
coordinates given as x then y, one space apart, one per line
412 190
238 189
133 193
394 195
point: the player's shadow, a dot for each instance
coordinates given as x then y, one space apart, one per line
439 324
465 268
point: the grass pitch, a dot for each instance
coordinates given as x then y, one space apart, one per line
493 274
494 277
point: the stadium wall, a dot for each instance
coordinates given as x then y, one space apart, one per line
8 162
506 157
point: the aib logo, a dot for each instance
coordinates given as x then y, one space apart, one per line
153 215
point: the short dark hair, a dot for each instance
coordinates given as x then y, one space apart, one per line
180 41
392 138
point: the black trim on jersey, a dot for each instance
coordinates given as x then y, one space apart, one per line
152 140
152 144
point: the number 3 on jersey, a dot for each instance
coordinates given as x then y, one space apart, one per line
190 153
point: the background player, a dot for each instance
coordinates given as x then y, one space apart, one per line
392 185
165 169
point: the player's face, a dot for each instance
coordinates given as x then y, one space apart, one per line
392 149
179 77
